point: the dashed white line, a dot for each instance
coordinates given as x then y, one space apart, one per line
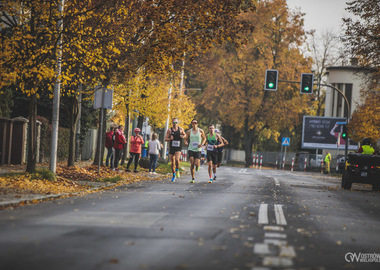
277 261
287 251
273 228
276 181
280 217
276 242
263 214
275 235
261 248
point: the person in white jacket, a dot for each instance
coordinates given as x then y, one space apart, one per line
154 146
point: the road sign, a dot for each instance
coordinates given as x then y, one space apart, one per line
103 98
285 141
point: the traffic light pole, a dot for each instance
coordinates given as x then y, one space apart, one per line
347 119
348 109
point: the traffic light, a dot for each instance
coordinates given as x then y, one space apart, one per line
271 79
307 83
344 132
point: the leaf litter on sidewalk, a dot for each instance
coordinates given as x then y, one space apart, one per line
78 180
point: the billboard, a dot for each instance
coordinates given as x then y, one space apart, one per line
324 133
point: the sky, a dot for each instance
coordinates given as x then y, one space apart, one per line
322 15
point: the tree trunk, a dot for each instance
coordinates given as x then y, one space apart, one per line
248 138
96 158
140 121
126 131
74 113
32 141
99 153
77 135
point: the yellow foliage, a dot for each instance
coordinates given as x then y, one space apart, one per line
235 76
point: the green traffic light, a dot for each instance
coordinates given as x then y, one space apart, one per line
270 85
344 135
306 88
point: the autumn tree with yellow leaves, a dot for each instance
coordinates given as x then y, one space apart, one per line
103 39
235 76
362 40
28 53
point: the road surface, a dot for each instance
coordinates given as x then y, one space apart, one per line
247 219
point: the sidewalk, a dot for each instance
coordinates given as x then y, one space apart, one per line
18 188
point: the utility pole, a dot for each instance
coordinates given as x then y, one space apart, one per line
167 122
57 93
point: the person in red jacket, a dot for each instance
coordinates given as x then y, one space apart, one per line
118 145
109 146
136 142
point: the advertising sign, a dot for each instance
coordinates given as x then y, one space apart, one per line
324 133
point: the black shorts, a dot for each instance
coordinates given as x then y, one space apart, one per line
212 156
172 150
194 154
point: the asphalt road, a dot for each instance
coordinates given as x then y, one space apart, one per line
247 219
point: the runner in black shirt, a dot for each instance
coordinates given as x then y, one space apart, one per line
174 136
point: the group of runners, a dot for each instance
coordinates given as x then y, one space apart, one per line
196 140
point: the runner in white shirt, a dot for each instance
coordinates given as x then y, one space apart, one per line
195 138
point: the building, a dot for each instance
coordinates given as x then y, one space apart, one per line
350 79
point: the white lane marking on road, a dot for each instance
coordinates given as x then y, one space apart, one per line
275 235
261 248
260 268
287 251
263 214
276 181
276 242
274 228
243 171
277 261
280 217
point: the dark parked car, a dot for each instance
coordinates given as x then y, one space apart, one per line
362 169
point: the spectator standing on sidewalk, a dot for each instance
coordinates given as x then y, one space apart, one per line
109 145
118 145
136 142
327 162
154 146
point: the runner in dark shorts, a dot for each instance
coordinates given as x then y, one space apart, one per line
213 143
174 136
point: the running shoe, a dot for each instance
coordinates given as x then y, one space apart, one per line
177 174
173 178
210 181
214 177
192 181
